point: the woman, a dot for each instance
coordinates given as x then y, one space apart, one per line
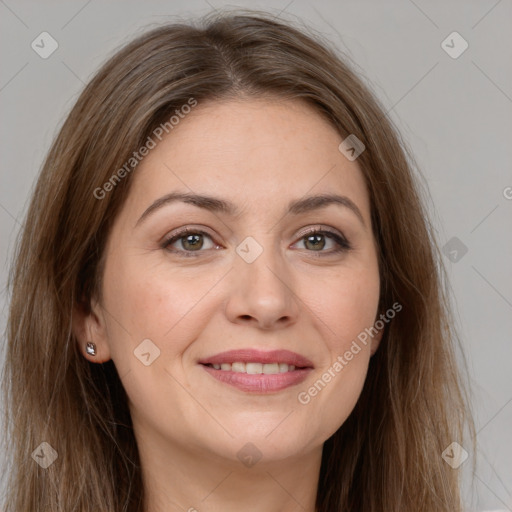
226 295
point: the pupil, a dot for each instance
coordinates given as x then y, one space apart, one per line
192 241
317 241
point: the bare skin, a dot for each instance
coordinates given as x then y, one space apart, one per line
193 430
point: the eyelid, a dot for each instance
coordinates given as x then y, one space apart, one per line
184 231
320 228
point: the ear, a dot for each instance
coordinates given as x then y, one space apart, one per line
89 324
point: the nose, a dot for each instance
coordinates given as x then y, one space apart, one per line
261 293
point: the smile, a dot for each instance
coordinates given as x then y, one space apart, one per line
256 371
254 368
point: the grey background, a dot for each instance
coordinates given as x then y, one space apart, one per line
455 114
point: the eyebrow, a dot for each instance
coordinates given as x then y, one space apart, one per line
217 205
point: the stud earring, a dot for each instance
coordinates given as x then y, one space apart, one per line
90 348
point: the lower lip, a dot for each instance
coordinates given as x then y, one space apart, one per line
259 383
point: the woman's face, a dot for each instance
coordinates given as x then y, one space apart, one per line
248 278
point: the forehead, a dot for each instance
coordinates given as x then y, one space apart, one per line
252 152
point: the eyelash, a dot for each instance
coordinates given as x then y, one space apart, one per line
342 244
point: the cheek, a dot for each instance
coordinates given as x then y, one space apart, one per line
155 302
348 305
347 308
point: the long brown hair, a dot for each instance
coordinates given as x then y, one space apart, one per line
387 455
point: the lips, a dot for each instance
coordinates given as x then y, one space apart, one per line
256 371
258 356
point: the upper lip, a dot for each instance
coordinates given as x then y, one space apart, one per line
249 355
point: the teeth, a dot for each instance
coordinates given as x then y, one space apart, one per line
255 368
252 368
271 368
238 367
